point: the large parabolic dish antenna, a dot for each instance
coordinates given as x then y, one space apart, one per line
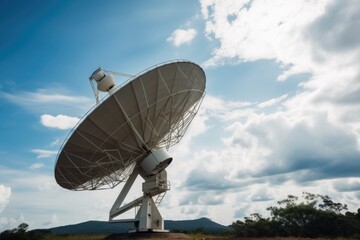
127 134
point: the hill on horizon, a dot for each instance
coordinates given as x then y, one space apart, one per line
105 227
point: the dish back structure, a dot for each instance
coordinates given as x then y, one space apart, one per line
153 110
149 112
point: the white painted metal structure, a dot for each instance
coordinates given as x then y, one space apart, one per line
126 134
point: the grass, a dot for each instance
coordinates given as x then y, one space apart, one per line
193 236
75 237
205 236
102 237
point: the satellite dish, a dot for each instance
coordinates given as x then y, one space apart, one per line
127 134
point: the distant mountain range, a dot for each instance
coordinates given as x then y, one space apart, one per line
102 227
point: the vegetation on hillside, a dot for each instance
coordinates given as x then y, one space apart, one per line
22 234
315 216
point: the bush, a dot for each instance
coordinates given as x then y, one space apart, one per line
315 216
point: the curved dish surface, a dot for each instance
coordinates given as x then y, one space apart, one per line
151 111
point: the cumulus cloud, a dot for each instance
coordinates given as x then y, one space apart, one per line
241 212
350 185
201 198
253 30
201 179
315 134
36 187
345 36
61 122
261 195
306 140
182 36
11 223
53 221
5 193
313 145
189 210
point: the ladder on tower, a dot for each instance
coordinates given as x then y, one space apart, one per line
159 198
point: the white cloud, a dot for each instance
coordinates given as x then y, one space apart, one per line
51 101
347 185
44 153
43 96
53 221
37 187
56 142
272 102
261 194
62 122
37 166
5 193
25 180
11 223
220 109
316 125
306 140
260 29
182 36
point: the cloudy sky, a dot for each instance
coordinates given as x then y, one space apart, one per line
281 113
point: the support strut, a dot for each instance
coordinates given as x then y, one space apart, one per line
148 218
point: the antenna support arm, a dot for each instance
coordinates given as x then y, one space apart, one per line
120 199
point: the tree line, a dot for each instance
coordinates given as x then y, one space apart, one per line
312 216
315 216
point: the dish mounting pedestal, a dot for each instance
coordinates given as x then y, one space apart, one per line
148 218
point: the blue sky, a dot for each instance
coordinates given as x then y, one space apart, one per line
280 116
